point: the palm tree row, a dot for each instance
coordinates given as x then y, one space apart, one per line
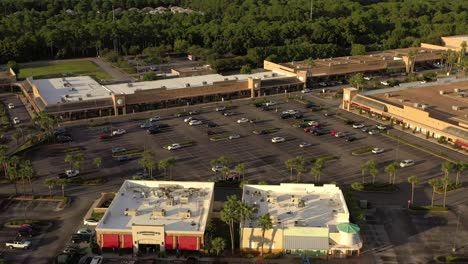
435 183
149 163
298 164
371 168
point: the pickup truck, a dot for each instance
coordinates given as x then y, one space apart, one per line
18 244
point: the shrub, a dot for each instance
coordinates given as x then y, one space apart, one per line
273 255
358 186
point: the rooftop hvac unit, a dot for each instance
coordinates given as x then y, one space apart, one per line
441 92
416 105
265 76
456 90
424 106
163 87
88 95
130 212
80 99
274 74
129 84
301 204
187 85
272 199
226 79
158 213
185 214
72 89
456 107
170 202
402 100
184 199
204 83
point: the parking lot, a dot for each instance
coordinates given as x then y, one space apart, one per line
264 159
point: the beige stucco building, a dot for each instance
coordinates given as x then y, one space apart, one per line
438 110
307 220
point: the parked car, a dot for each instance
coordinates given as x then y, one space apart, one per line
72 250
194 112
85 231
105 136
384 83
365 129
119 132
319 132
72 173
24 244
60 131
304 145
228 113
381 127
155 118
160 125
194 122
373 132
367 78
118 150
328 114
220 108
181 114
188 119
25 232
97 260
211 124
78 238
141 174
242 120
146 124
11 106
340 134
313 123
278 139
285 115
153 130
265 108
218 168
306 90
234 136
358 125
174 146
406 163
298 115
270 103
290 112
90 222
63 139
16 120
377 150
350 139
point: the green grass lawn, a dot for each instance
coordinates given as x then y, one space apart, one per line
60 69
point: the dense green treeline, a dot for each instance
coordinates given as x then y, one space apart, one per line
247 30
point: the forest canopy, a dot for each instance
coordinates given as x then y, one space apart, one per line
250 30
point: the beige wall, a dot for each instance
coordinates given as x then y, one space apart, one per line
453 43
271 66
251 238
148 234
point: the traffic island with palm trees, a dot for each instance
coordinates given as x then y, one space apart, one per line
372 168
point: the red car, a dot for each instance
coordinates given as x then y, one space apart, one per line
333 133
105 136
311 128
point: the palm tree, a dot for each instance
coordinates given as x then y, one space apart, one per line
445 183
63 182
148 162
413 180
357 80
265 223
243 183
17 137
171 161
50 183
390 169
26 172
163 165
240 169
373 170
462 51
97 162
436 182
70 158
4 157
78 160
225 172
223 160
317 169
45 121
299 170
230 215
218 244
299 166
412 59
12 176
364 170
290 165
460 167
447 168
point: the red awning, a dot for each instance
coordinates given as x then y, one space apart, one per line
128 241
188 243
169 242
110 241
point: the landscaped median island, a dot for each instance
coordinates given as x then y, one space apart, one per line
429 208
266 130
222 137
128 154
361 151
451 259
374 187
88 180
324 158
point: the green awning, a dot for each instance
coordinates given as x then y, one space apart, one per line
348 228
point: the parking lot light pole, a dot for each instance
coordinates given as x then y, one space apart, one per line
454 247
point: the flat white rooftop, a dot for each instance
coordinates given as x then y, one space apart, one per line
70 89
140 202
186 82
297 205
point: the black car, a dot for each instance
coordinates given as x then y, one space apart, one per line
60 131
25 232
285 116
265 108
153 130
63 139
298 115
228 113
79 238
319 132
160 125
350 139
211 124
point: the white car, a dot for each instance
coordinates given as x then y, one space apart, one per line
155 118
367 78
85 231
90 222
278 139
188 119
234 136
220 108
194 122
174 146
290 112
11 106
218 168
270 103
340 134
306 91
16 120
358 125
119 132
373 132
423 81
384 83
313 123
242 120
72 173
381 127
324 84
304 145
406 163
377 150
